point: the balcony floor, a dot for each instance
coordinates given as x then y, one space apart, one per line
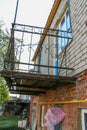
32 83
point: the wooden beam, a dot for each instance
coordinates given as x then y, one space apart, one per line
30 86
27 93
38 92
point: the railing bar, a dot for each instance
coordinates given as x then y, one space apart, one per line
41 28
42 33
48 54
39 65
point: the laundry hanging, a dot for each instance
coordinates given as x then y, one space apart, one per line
54 116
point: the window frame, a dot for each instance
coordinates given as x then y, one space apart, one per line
66 41
83 118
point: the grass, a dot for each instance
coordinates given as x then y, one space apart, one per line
8 122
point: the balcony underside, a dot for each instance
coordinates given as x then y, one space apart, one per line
32 83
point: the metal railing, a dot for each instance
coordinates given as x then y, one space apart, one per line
30 43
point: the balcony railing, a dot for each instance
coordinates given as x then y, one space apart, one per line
24 42
29 63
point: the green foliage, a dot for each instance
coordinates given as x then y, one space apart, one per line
4 92
4 41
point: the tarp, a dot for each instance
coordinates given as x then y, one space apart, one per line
54 116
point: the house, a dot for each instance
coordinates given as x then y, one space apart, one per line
69 18
56 76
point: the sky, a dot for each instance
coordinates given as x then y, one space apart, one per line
31 12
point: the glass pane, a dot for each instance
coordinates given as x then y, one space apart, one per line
67 20
68 28
63 28
65 32
63 24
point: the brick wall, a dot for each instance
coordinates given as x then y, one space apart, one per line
79 31
66 93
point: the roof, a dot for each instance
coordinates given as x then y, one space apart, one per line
47 26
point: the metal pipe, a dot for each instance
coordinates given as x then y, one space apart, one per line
40 65
16 10
64 102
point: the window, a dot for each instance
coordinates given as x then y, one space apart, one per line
64 31
64 37
84 119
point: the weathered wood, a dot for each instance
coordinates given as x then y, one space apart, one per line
32 83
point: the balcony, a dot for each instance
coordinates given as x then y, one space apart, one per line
28 65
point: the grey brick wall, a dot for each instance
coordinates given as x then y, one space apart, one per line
76 53
78 46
